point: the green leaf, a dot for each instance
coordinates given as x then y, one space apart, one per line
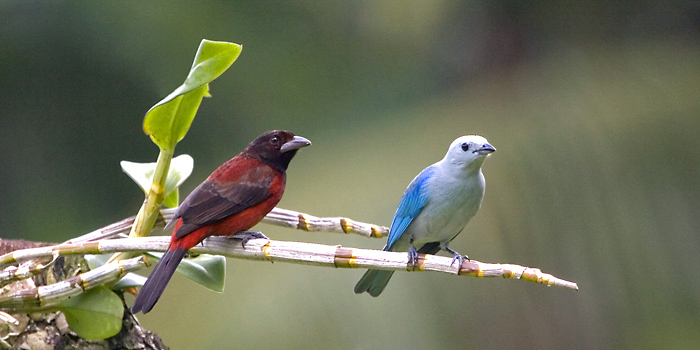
173 199
207 270
96 260
130 280
167 121
142 173
94 314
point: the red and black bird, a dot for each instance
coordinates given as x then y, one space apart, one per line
234 198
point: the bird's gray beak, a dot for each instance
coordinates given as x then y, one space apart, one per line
296 143
486 149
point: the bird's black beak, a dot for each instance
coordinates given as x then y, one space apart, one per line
296 143
486 149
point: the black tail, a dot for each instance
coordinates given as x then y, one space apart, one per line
373 282
156 283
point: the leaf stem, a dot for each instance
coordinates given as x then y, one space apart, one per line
148 214
150 210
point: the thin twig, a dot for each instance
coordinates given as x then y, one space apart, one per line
302 253
306 222
7 318
278 216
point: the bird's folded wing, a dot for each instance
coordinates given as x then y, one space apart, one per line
212 201
413 200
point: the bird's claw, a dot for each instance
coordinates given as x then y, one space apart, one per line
246 236
459 258
456 256
412 256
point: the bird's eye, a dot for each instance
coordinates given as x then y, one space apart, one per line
465 147
275 140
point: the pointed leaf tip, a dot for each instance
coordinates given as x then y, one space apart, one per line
168 121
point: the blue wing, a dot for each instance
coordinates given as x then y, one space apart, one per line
413 200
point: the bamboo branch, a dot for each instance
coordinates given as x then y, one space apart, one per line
301 253
278 216
306 222
28 269
41 298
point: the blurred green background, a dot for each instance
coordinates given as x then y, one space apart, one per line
593 106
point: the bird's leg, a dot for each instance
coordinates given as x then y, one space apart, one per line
412 255
455 256
246 236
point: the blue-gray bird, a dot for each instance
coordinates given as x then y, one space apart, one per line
436 206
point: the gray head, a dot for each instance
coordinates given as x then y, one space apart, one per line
468 152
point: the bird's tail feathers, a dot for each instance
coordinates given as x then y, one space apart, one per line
373 282
158 280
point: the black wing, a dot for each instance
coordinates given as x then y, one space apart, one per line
211 202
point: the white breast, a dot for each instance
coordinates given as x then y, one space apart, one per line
453 201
